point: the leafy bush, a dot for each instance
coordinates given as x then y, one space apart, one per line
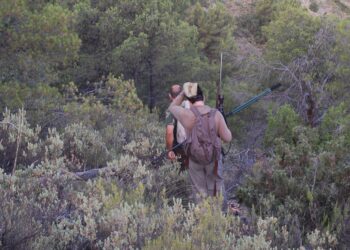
303 180
135 204
314 6
43 104
281 124
290 32
19 144
84 147
127 205
101 214
79 167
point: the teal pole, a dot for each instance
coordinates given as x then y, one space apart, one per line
252 100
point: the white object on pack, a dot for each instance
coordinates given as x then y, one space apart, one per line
180 130
190 89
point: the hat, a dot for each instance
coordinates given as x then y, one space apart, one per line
190 89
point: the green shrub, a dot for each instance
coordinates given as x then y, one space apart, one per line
84 147
133 204
304 178
19 143
47 207
314 6
281 124
43 104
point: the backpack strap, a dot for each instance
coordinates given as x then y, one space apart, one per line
213 133
195 111
216 169
174 132
213 136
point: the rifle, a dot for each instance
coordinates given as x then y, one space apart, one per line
165 153
252 100
220 96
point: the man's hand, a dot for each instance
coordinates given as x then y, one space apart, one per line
171 155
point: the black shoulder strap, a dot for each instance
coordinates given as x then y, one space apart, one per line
175 133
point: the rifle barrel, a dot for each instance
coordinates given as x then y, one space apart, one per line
252 100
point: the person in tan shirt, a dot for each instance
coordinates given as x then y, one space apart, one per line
204 179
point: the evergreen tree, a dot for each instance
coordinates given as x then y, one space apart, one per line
290 33
160 49
215 27
341 50
35 44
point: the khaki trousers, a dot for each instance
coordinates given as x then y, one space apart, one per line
203 180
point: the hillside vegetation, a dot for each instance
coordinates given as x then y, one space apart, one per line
83 93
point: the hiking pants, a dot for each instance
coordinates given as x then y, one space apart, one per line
203 180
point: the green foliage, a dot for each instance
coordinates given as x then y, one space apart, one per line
84 146
335 123
42 103
252 22
343 39
18 141
158 46
94 120
77 141
143 40
126 206
71 214
281 124
263 12
110 98
314 7
37 44
215 26
119 94
290 33
304 177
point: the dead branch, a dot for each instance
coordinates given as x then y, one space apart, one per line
89 174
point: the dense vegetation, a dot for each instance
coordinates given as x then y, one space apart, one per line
83 92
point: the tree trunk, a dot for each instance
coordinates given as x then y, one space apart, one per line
151 87
311 109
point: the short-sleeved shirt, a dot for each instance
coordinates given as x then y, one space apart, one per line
169 118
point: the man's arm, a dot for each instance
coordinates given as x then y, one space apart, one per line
184 116
169 139
223 130
169 134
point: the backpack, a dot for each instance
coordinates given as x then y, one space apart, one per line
179 130
203 144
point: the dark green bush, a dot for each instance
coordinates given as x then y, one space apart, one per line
314 7
304 177
43 104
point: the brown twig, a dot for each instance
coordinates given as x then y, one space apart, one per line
19 137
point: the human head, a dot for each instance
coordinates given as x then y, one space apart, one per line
174 91
198 96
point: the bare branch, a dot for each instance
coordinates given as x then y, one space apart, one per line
9 123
